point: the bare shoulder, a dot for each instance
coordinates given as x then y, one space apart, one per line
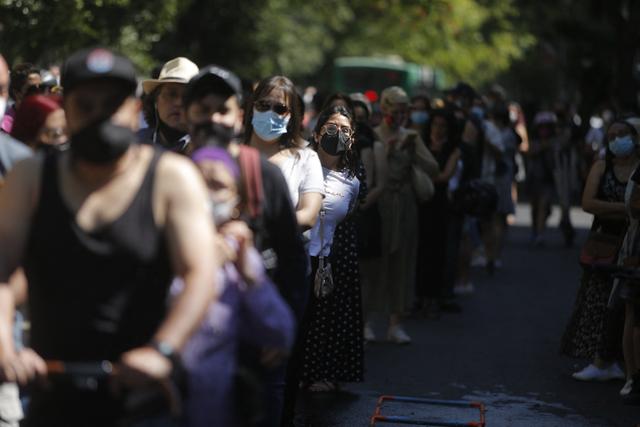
25 176
176 170
178 187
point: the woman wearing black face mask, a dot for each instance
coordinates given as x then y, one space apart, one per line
332 332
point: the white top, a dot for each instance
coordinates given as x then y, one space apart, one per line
303 173
341 194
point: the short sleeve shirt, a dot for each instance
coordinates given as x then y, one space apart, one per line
341 194
303 173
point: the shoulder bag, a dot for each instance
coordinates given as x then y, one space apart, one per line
323 280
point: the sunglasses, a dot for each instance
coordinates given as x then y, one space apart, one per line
276 107
332 129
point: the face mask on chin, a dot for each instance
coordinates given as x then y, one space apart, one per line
101 142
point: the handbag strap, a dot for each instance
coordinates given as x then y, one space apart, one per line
249 160
320 256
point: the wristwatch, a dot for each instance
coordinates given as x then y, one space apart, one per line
165 349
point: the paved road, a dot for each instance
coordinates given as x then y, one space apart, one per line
502 350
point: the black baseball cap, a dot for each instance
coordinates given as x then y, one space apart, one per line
97 63
212 79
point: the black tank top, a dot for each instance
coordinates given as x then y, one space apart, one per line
93 296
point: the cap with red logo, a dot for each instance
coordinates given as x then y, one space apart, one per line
97 64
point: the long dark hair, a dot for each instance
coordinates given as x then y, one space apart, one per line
349 160
339 96
293 137
452 136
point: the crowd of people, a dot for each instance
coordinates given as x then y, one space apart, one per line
180 241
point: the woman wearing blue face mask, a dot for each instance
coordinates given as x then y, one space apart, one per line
273 125
419 116
594 332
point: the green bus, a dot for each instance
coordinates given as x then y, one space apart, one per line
373 74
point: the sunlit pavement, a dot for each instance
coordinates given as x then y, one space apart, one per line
502 350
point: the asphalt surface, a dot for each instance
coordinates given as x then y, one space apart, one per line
502 350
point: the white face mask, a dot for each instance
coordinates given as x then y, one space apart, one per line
3 107
223 211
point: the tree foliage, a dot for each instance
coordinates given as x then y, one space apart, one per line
299 38
47 30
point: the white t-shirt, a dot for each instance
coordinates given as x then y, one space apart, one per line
341 194
303 173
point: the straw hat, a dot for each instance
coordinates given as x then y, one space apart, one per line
178 70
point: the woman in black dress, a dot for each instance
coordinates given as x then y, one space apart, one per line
436 218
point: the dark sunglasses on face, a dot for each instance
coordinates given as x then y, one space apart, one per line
332 129
277 107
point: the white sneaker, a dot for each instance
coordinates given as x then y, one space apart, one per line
369 335
397 335
627 388
593 373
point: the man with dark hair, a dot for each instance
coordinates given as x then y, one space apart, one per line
101 229
212 103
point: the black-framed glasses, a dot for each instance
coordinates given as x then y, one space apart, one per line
332 129
277 107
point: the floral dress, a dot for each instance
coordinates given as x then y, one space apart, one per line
592 330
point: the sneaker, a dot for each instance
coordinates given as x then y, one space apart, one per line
627 388
616 372
369 335
593 373
397 335
633 396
